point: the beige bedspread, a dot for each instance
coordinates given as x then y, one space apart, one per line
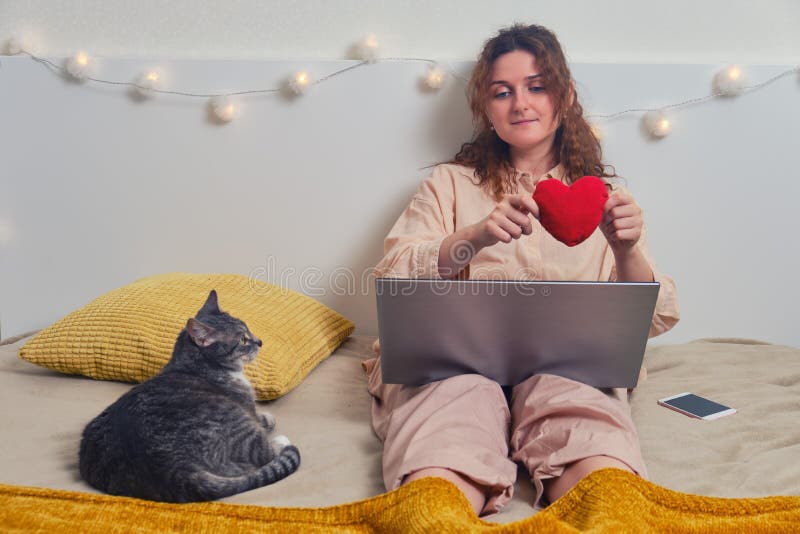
752 453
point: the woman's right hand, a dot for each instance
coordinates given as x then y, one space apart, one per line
509 220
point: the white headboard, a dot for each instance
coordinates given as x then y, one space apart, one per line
99 189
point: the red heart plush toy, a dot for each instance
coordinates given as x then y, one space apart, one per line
571 214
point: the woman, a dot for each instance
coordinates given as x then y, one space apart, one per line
475 218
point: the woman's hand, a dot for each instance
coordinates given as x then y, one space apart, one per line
622 222
509 220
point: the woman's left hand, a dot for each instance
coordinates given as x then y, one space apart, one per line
622 222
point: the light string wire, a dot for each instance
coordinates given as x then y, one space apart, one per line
445 65
745 90
62 70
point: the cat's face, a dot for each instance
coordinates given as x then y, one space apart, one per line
222 338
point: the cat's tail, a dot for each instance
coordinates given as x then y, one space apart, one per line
210 486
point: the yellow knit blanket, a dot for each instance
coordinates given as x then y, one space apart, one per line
609 500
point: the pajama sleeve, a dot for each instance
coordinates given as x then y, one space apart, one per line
411 249
666 314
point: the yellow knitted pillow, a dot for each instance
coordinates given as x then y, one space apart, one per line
128 334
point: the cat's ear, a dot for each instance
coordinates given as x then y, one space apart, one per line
202 334
211 305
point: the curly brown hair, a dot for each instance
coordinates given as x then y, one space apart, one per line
576 147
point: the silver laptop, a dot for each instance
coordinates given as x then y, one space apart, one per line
593 332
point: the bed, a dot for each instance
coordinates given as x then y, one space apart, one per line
750 454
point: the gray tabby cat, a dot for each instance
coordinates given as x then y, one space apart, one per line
190 433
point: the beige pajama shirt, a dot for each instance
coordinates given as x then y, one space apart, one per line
464 423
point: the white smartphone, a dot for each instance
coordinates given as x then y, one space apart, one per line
696 406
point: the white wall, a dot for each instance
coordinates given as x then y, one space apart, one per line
606 31
97 189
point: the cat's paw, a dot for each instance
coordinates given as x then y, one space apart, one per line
279 443
268 420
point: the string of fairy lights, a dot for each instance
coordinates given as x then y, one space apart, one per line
730 81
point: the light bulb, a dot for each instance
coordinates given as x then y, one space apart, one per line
597 132
78 66
657 124
15 45
435 77
730 81
146 83
368 48
6 231
300 82
223 108
27 41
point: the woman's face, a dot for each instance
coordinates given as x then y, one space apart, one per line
520 108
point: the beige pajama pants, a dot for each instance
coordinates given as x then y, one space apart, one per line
465 424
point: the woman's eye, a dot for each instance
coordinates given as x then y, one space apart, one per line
536 89
243 340
502 94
